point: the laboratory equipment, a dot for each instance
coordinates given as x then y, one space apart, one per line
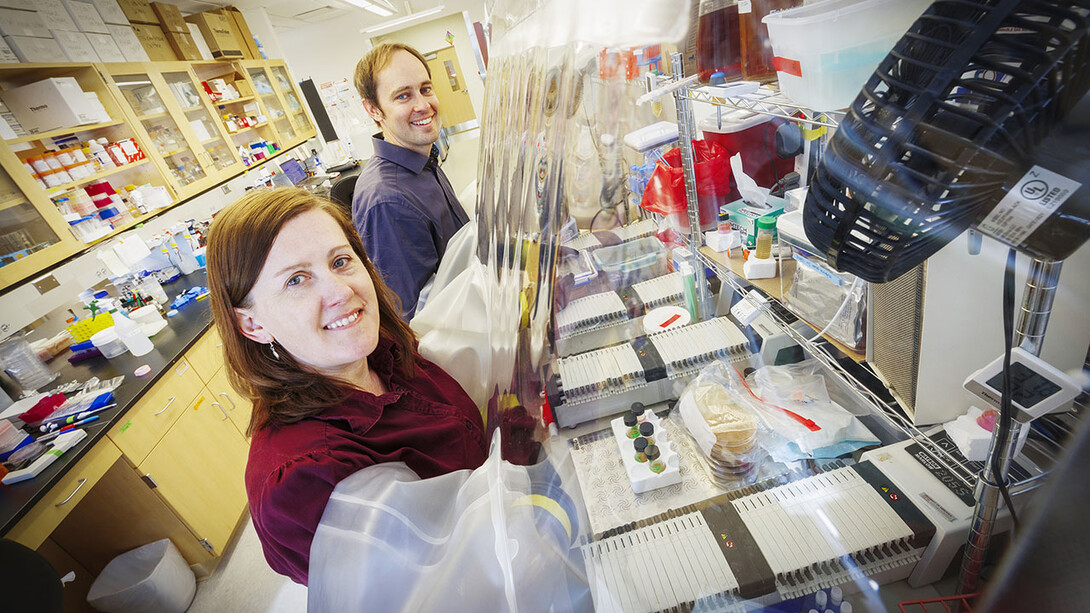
108 342
23 364
606 381
1037 386
745 545
718 39
130 333
658 454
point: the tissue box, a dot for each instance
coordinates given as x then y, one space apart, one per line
744 217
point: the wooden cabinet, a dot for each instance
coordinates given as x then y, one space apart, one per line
146 423
163 107
198 469
237 406
36 526
206 355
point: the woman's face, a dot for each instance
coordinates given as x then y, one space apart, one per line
315 298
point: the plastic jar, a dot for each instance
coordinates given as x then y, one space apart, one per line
108 342
766 230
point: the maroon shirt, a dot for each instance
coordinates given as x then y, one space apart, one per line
428 422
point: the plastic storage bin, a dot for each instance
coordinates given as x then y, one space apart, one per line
631 262
154 578
825 52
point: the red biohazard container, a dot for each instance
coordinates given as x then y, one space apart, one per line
754 136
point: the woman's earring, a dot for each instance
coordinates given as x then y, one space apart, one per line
272 348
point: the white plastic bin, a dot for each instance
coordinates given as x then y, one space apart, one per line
154 578
631 262
825 52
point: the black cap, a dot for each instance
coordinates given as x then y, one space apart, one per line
647 428
651 452
637 408
640 444
629 420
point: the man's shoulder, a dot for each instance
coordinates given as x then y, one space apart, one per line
378 182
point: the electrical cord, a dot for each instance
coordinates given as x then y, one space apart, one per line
1006 411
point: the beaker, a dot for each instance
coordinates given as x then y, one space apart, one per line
20 361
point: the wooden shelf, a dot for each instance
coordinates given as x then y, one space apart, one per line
235 101
64 131
67 187
199 107
12 202
771 287
153 116
176 152
210 141
244 130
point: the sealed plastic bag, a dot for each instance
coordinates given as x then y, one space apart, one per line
796 403
665 193
498 538
719 416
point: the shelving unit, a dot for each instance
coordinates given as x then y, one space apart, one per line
189 117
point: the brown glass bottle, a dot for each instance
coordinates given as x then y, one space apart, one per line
718 40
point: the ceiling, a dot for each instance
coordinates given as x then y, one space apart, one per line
288 15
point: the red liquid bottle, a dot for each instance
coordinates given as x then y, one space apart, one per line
718 40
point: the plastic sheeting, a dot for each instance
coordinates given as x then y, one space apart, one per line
498 538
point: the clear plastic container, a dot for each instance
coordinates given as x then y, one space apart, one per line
766 232
23 364
824 52
108 342
130 333
631 262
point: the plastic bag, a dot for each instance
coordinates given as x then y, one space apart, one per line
720 417
665 193
498 538
796 403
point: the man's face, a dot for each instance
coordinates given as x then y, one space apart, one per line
407 108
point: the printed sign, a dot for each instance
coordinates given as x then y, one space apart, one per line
1028 204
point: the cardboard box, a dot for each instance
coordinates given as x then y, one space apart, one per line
55 15
170 18
138 11
34 49
22 23
243 31
219 34
86 17
106 47
76 46
198 38
111 12
128 43
154 42
7 56
49 104
184 46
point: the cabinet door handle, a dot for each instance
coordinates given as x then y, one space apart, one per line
225 417
82 482
224 394
169 402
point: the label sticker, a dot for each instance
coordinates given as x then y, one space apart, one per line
1028 204
745 6
125 427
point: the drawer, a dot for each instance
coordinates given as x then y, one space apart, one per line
236 405
206 355
39 523
143 425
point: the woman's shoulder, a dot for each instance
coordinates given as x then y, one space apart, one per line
307 450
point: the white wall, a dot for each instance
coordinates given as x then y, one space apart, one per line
329 51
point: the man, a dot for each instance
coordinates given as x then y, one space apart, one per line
403 206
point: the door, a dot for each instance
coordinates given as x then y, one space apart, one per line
455 107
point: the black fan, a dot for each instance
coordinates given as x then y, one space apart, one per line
974 95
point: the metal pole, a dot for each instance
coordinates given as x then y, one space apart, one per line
1029 334
1037 299
685 142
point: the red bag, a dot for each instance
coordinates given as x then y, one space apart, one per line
665 193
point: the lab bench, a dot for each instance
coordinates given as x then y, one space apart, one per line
168 461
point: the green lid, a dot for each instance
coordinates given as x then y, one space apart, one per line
767 222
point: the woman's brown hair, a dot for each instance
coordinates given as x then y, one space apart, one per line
282 390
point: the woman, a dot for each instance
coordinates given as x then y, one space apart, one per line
312 336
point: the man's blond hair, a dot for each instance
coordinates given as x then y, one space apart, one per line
377 59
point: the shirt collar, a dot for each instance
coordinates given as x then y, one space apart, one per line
381 361
406 158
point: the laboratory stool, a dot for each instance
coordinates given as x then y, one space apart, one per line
27 581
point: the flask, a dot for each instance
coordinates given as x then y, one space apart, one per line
131 335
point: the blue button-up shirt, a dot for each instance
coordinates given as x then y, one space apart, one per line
405 211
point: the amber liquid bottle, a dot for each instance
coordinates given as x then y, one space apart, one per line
718 40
